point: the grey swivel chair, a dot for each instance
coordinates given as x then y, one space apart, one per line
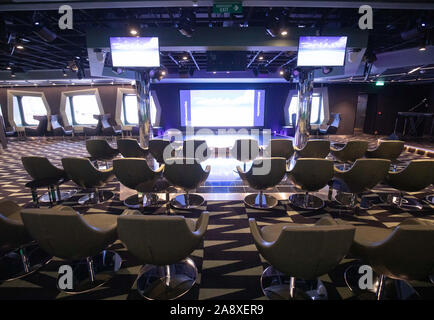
264 173
100 150
417 176
130 148
310 175
86 176
386 149
45 174
298 255
396 255
363 175
188 174
161 149
19 253
351 151
163 244
245 150
82 240
314 148
279 148
134 173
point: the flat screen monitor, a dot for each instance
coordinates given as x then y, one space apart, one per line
321 51
135 51
222 108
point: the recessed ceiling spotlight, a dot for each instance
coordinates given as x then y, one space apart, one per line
133 32
227 72
8 68
195 4
260 57
281 72
184 58
283 32
20 47
163 73
214 72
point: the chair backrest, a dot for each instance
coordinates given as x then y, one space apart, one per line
41 129
280 148
134 173
387 149
40 168
62 232
334 125
100 148
315 148
197 149
12 231
311 174
418 175
245 149
157 149
266 172
364 174
130 148
84 174
354 149
105 121
408 253
54 120
157 240
307 252
186 173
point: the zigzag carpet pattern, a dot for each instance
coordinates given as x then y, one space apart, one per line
228 263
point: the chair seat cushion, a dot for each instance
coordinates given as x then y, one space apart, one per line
101 220
368 234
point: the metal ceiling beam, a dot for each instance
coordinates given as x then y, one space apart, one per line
253 59
79 4
194 60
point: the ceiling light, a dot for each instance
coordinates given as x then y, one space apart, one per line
214 72
261 58
133 32
20 47
422 48
414 70
281 72
283 32
163 73
379 83
184 58
8 68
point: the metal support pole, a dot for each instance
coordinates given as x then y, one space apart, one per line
143 82
305 90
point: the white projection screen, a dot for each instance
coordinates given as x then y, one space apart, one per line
222 108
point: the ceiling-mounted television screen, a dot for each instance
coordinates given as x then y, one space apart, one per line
135 51
321 51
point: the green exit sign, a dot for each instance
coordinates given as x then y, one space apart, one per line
227 7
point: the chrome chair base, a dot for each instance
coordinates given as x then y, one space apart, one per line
22 262
430 199
96 197
349 200
260 201
91 273
306 201
278 286
382 288
166 282
64 195
187 201
133 202
403 202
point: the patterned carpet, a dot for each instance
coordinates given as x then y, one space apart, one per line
228 262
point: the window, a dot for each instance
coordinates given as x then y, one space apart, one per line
129 112
317 111
25 108
80 109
